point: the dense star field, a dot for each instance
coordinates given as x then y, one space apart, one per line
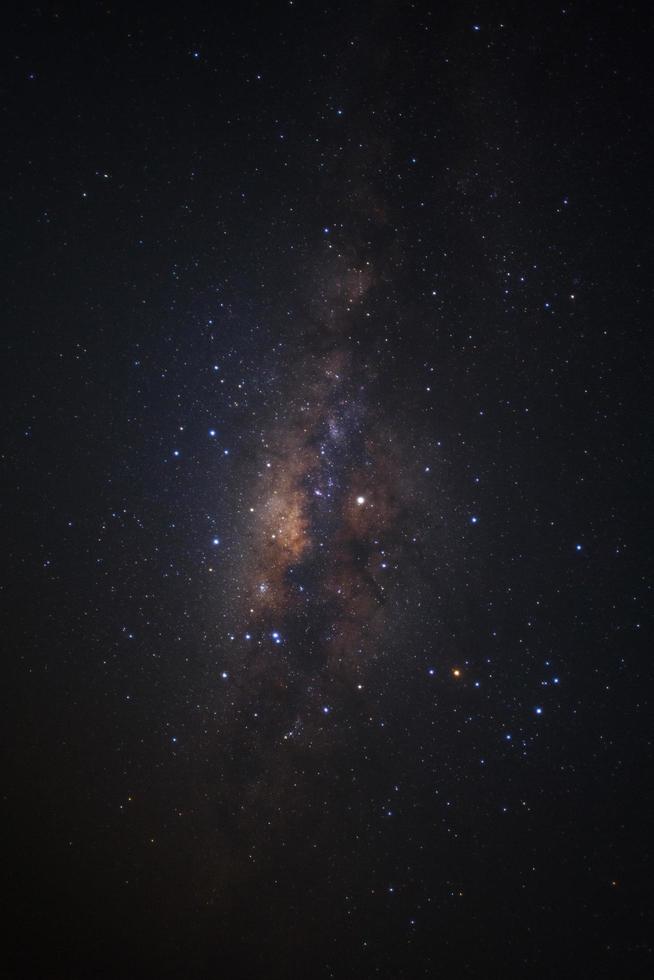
327 472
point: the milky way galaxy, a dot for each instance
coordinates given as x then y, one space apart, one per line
330 570
324 491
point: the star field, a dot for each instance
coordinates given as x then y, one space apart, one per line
328 594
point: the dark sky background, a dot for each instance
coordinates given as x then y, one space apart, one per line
327 490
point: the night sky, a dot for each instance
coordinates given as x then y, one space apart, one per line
327 490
